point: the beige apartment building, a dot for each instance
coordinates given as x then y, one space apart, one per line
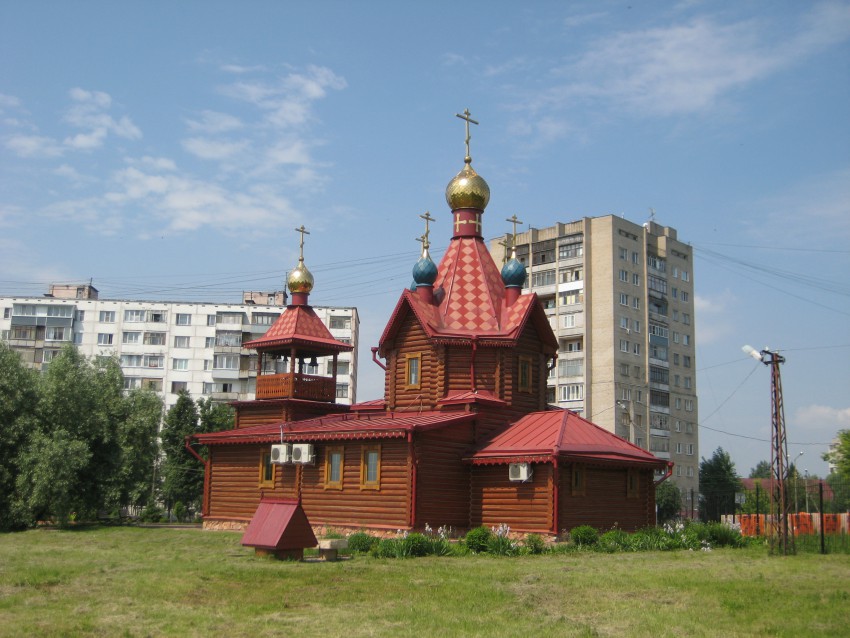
620 298
168 346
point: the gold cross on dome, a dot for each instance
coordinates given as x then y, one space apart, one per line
475 221
514 220
427 217
468 120
303 232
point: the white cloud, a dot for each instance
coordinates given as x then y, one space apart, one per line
822 418
88 112
213 149
215 122
34 146
581 19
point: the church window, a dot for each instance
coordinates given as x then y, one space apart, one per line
524 376
413 371
632 483
333 468
578 480
267 468
370 467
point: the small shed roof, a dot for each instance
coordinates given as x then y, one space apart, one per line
279 523
561 434
300 326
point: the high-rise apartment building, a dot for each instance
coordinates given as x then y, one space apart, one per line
168 346
620 298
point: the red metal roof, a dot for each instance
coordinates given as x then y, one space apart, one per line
298 325
479 397
279 523
560 434
470 302
339 426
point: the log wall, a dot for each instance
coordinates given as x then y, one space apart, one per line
605 504
525 507
442 479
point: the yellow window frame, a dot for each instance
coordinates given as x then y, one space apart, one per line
330 482
413 363
267 469
365 483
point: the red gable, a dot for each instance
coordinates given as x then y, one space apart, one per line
560 434
298 325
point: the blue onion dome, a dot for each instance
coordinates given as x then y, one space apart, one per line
513 272
425 270
467 189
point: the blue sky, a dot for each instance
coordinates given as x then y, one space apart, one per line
168 150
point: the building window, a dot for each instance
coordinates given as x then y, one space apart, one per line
228 339
60 311
659 375
659 398
636 325
624 276
341 322
154 385
183 319
55 333
686 360
678 403
657 284
210 320
181 342
131 337
131 360
157 316
370 467
624 369
674 292
685 295
569 320
81 315
571 367
624 253
412 371
624 299
154 339
264 319
572 392
334 468
572 297
209 342
7 312
104 339
341 390
342 368
635 257
686 318
179 364
686 340
689 405
134 316
570 274
154 361
577 480
636 279
632 483
226 362
624 323
624 345
573 345
267 468
636 303
107 316
179 386
570 250
132 383
524 374
685 276
656 262
543 278
688 383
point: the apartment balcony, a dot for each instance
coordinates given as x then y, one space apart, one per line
296 386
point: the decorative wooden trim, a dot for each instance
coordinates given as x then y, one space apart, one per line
365 483
330 483
413 375
267 469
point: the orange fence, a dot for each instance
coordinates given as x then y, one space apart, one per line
800 523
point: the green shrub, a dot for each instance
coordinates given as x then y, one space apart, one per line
386 548
615 540
650 539
477 539
179 511
151 514
361 542
720 535
584 535
534 544
499 545
441 547
416 544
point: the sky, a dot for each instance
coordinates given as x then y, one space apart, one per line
168 150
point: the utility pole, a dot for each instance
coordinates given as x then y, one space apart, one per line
780 539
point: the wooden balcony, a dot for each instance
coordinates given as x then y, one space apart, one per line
296 386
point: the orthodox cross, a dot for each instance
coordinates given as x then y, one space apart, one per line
468 120
514 220
423 239
303 232
427 217
506 245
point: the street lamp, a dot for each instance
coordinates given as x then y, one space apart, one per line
778 448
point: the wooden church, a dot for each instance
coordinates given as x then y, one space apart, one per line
463 435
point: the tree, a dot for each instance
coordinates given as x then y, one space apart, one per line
761 471
182 475
718 484
137 438
18 397
840 456
214 417
668 502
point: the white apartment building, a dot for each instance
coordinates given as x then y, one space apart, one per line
168 346
620 298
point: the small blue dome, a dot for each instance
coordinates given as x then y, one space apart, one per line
425 271
513 273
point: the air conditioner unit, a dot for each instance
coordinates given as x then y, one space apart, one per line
520 472
280 453
302 453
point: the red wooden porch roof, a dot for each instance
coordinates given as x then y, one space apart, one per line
560 434
339 426
298 325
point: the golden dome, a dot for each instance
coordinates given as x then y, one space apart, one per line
300 279
467 190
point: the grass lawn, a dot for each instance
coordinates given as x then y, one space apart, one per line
157 582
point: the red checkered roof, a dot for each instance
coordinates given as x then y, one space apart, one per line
560 434
470 301
298 325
